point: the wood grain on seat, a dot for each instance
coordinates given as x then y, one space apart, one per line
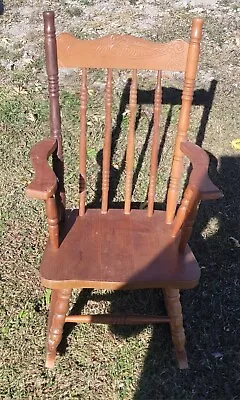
116 250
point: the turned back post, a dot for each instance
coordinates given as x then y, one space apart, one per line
183 123
54 115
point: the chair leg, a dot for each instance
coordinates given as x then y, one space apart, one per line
57 313
54 295
174 308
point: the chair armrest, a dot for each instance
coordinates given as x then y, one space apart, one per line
199 179
44 183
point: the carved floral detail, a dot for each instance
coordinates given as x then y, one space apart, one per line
119 50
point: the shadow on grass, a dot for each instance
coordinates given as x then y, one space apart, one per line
212 347
1 7
210 310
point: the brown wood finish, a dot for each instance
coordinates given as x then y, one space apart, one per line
44 184
130 143
199 187
54 296
174 308
183 124
54 116
199 179
121 52
143 256
56 323
119 249
188 223
155 144
83 143
52 219
117 319
107 142
184 208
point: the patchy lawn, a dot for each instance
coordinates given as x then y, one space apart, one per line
103 362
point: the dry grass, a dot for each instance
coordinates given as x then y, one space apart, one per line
104 362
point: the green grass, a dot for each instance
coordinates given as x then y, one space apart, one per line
104 362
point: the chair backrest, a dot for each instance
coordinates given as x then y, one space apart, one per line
122 52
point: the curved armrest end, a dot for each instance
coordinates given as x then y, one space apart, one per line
44 184
199 179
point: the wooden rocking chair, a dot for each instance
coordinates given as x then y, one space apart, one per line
119 248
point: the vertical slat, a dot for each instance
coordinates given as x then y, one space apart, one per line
53 90
130 142
183 124
82 144
155 144
107 142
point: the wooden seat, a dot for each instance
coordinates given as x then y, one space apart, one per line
120 248
144 255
